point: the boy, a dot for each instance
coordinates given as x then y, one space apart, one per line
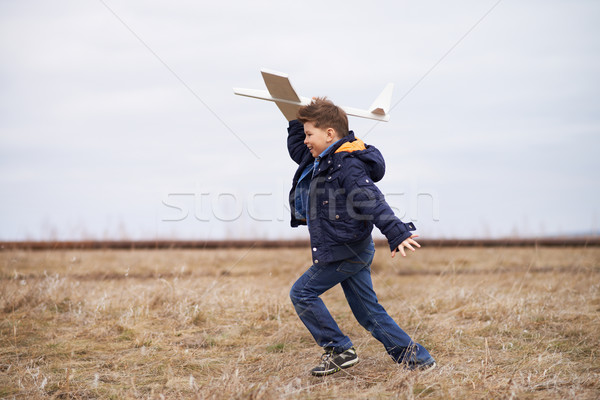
333 192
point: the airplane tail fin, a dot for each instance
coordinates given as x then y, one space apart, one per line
381 105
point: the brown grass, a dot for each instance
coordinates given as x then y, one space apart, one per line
213 324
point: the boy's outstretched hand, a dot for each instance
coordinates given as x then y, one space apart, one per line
408 243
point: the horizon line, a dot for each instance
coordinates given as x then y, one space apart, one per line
162 244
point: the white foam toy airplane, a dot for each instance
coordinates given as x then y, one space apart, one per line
280 91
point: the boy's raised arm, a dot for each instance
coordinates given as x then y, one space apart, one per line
295 141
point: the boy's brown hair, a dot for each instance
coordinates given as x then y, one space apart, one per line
324 114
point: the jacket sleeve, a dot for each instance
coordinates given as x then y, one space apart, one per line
295 141
365 201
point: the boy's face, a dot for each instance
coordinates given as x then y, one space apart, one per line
318 139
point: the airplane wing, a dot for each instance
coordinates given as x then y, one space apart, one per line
279 86
281 92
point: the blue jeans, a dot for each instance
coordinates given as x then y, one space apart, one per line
354 274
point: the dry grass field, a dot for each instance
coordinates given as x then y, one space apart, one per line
218 324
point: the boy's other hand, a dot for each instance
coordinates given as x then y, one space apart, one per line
408 243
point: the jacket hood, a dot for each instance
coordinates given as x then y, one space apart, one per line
369 155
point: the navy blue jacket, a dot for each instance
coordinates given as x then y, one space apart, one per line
344 202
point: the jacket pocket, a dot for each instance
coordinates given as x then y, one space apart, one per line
345 228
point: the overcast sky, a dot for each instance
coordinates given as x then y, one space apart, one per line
118 119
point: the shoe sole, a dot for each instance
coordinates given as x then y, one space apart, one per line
428 367
345 365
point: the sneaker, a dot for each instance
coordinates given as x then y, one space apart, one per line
333 362
422 368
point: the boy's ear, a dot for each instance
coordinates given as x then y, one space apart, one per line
331 133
